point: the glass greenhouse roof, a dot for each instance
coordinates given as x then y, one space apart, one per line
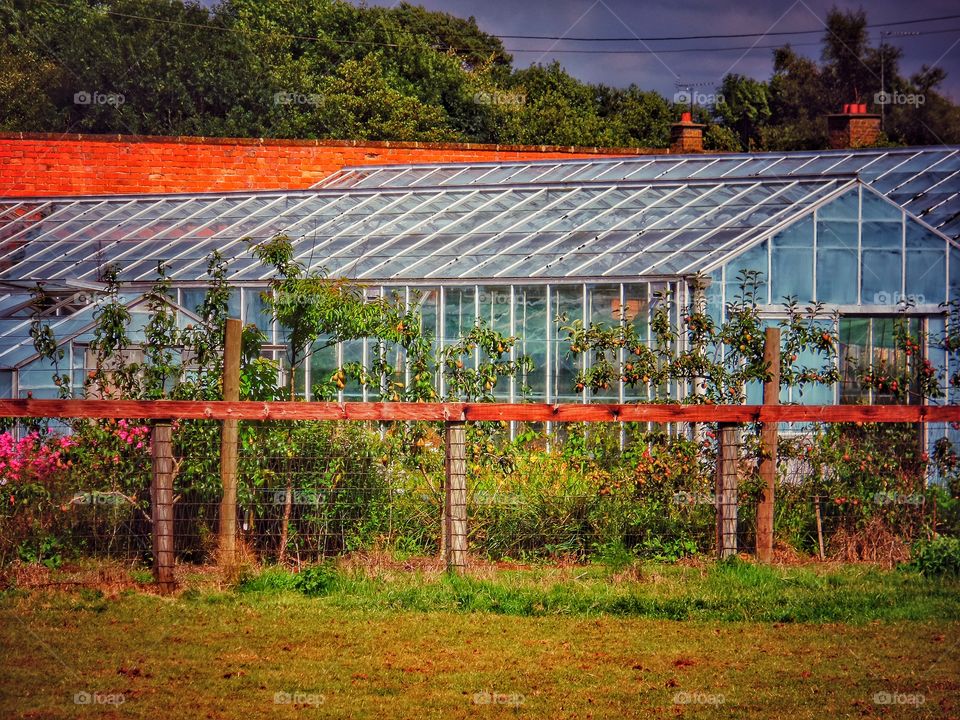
924 181
610 228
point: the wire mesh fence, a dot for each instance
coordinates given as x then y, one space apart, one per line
312 490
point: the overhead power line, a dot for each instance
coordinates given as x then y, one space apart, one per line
647 51
715 37
658 51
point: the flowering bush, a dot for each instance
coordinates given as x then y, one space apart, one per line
31 458
64 493
33 471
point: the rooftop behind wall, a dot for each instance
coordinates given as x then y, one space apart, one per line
33 164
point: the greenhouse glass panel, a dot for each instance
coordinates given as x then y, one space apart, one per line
323 363
532 324
881 277
427 301
352 351
255 310
459 313
36 380
754 259
713 295
791 257
926 278
6 383
493 303
954 260
636 310
854 353
604 308
837 250
567 306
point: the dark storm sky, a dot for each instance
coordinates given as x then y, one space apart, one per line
661 70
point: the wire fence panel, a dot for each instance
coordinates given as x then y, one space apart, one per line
308 491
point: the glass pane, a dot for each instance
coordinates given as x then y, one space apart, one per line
881 277
754 259
494 307
459 313
877 208
926 278
845 207
792 274
567 307
854 355
954 273
255 310
882 235
323 363
836 276
837 234
531 331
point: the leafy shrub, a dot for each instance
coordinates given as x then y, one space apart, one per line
316 580
937 557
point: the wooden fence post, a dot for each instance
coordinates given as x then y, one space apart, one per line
227 531
161 505
768 447
455 496
728 458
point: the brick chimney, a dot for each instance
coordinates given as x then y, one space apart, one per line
853 127
686 136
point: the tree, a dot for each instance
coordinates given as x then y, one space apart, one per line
744 108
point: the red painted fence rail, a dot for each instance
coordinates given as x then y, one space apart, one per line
454 412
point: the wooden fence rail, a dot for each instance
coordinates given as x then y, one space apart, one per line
473 412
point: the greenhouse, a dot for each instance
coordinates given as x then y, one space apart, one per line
527 247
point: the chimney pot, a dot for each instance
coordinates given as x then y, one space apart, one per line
853 127
686 136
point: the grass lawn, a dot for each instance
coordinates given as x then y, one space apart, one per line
544 643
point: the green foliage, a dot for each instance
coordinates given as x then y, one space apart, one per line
908 377
490 354
309 68
316 580
744 108
714 361
938 557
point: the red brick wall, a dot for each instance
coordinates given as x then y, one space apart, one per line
51 164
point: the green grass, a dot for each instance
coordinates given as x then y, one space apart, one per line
735 591
755 642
